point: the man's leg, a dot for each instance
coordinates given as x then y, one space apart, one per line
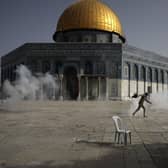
136 110
144 110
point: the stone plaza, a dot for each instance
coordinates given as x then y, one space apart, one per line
43 134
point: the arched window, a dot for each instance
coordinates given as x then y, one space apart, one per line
135 72
143 71
127 70
149 75
156 76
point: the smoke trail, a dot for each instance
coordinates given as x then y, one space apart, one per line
30 87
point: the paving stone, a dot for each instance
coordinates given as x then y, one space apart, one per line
45 133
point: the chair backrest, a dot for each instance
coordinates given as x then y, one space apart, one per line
118 123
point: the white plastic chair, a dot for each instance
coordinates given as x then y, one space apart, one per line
120 130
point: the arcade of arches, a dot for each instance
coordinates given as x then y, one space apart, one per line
140 79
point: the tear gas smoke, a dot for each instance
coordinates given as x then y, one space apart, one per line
29 87
159 100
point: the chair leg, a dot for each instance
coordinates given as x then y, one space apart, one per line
115 138
118 137
125 138
122 139
130 137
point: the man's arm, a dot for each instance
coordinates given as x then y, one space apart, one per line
148 101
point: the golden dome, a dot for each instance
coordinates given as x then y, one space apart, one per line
89 14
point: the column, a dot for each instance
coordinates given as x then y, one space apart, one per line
153 80
87 96
79 84
54 89
107 89
140 83
159 80
99 83
61 87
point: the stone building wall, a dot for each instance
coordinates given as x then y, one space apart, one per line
143 71
103 70
97 65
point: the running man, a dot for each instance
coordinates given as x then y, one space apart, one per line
143 98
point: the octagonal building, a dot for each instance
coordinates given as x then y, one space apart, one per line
89 59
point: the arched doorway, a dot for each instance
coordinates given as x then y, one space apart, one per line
71 87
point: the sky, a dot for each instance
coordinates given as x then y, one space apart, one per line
144 22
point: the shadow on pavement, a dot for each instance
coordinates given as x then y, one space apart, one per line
131 156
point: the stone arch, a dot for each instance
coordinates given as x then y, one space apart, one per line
70 64
135 76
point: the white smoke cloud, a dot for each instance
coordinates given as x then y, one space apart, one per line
30 87
10 91
159 100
